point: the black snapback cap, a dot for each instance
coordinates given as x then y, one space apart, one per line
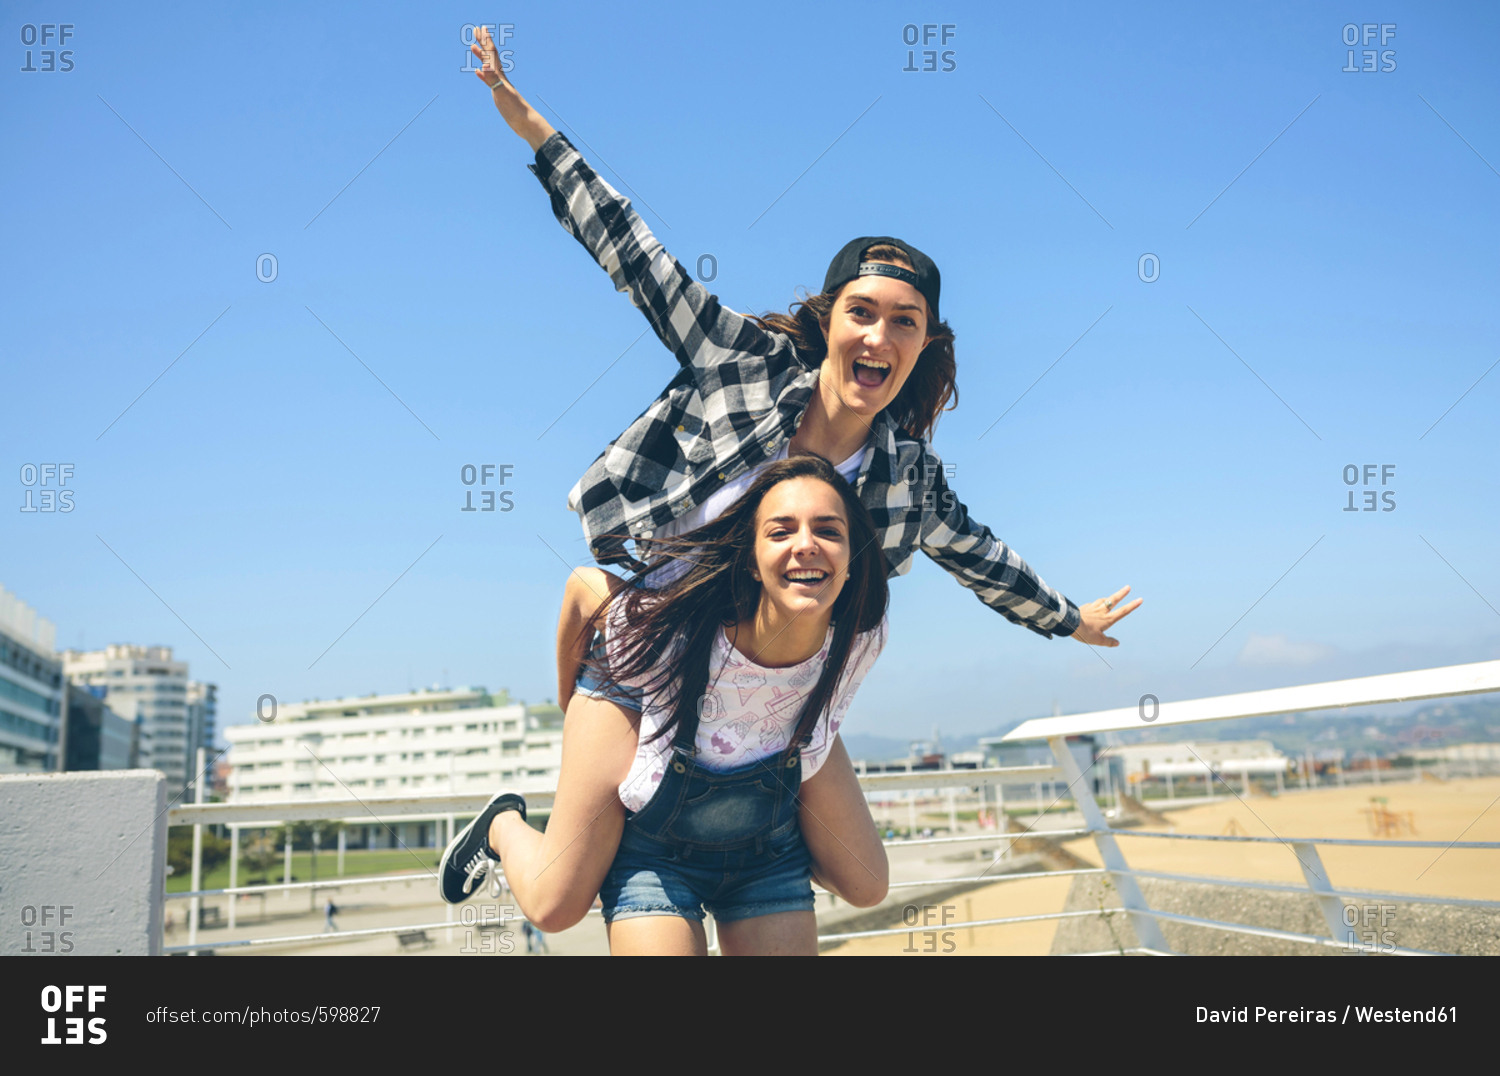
846 266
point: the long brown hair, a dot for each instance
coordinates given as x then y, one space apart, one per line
665 636
932 384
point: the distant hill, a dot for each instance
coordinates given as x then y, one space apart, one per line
1431 725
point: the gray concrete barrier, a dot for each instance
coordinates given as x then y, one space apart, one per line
83 859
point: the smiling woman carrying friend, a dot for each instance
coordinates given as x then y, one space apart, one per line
859 373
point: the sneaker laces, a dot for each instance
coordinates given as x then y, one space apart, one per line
478 865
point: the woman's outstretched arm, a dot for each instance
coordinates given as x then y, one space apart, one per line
970 552
687 318
522 118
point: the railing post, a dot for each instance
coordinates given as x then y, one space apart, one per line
234 869
195 906
1147 930
1316 876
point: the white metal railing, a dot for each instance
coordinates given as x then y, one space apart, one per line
1409 686
1449 681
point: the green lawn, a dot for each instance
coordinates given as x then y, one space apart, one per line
356 863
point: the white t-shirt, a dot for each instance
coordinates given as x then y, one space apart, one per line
749 711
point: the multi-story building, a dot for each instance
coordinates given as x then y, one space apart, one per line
31 684
98 738
202 714
147 687
457 740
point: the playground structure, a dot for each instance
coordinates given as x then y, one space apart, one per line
1385 822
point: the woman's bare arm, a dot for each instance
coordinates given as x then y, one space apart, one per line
522 118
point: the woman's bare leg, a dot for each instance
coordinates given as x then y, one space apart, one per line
848 858
783 934
584 597
556 875
657 935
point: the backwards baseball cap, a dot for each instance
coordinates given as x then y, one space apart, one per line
846 265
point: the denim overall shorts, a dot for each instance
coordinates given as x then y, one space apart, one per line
728 842
596 686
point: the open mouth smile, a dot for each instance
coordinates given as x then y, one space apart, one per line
871 373
810 576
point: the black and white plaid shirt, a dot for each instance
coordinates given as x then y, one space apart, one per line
736 402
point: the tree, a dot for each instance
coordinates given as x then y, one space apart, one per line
180 850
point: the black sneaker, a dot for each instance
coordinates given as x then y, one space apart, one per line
468 856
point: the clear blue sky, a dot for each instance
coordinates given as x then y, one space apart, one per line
269 488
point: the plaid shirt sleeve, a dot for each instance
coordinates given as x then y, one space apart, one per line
685 316
967 550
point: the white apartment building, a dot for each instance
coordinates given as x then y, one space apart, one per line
145 685
1192 758
431 741
30 688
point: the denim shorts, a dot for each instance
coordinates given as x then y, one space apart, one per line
592 685
654 877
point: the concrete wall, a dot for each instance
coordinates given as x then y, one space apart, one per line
83 859
1380 924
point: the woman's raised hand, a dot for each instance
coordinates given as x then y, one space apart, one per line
522 118
1099 616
